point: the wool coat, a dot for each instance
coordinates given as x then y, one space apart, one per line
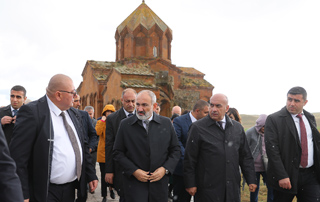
212 160
135 148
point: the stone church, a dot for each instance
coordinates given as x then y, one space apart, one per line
143 61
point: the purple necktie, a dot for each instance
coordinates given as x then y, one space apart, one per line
304 142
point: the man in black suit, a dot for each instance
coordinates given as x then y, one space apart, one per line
215 149
8 113
292 143
49 147
147 148
113 169
10 185
90 136
181 125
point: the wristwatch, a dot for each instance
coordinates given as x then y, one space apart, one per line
167 172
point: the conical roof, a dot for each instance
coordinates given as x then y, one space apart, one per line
145 16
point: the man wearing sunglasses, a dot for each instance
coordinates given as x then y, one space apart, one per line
8 113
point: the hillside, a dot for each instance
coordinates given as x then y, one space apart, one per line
250 120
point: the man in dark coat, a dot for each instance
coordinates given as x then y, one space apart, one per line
293 165
215 149
147 148
10 185
18 96
113 169
49 163
181 125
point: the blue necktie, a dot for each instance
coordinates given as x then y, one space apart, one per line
15 112
130 115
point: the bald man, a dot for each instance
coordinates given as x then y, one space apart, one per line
176 110
49 148
215 149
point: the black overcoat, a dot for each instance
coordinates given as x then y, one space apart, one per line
134 149
32 145
7 128
212 160
284 148
112 125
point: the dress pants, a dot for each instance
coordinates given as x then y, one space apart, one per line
62 192
308 188
179 192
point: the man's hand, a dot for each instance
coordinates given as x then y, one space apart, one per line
141 175
192 190
285 183
26 200
109 178
157 174
7 120
252 187
93 185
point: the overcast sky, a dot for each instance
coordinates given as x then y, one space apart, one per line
253 51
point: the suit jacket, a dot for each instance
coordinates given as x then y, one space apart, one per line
91 134
212 160
112 125
10 185
32 146
7 128
181 125
284 148
134 149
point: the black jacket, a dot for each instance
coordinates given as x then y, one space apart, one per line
212 160
112 125
284 149
32 145
7 128
134 149
10 185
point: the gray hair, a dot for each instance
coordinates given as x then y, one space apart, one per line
88 108
151 94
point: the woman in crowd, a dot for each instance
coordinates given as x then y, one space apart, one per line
101 131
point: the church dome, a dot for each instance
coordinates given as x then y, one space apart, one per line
144 16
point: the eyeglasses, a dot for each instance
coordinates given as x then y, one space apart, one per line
16 96
74 92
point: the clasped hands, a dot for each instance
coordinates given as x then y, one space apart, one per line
145 176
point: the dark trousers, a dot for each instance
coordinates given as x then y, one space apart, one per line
62 193
308 188
179 192
254 195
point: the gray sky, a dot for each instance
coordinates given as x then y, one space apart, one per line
253 51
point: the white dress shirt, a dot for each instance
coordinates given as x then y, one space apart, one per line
309 136
192 117
63 167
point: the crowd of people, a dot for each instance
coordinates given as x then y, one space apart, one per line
49 148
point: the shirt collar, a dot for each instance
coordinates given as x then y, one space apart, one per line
128 112
53 107
192 117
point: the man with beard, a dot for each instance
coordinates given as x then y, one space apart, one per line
147 148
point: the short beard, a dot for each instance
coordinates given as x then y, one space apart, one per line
144 117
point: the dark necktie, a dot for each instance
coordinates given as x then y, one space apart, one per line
15 112
220 124
74 143
130 114
147 124
304 142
